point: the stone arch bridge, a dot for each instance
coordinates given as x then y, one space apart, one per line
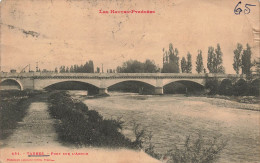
40 80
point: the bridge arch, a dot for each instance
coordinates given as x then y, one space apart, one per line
182 86
112 82
134 86
196 81
40 84
74 85
12 80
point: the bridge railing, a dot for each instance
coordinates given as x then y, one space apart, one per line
111 75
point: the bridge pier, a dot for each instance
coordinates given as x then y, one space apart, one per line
102 91
158 90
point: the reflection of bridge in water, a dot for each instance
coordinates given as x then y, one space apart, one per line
102 81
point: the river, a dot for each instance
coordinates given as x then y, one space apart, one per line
171 118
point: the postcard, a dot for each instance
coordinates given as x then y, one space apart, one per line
129 81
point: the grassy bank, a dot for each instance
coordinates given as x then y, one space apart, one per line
80 126
13 107
241 99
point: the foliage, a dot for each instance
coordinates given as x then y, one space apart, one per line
62 69
226 87
237 58
246 61
186 66
98 70
210 63
171 60
13 107
170 68
88 67
189 63
197 150
218 60
215 60
150 148
139 135
81 126
240 88
257 64
199 62
254 87
183 65
134 66
212 85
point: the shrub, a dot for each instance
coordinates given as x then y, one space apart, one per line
254 87
240 88
150 148
197 150
226 87
13 107
212 85
81 126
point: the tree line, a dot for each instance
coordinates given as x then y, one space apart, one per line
88 67
242 61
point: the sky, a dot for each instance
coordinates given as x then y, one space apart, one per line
68 32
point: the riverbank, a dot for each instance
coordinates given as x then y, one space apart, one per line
236 102
240 99
13 108
81 127
35 132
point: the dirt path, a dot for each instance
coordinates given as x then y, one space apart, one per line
36 129
36 133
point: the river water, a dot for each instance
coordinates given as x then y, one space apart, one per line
171 118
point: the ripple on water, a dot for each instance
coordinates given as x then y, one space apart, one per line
172 118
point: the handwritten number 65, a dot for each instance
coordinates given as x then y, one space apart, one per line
238 10
247 10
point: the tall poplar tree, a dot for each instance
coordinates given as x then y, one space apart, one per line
189 63
237 58
218 60
215 60
210 61
199 62
183 65
246 61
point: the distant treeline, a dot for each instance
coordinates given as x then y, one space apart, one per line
88 67
241 64
134 66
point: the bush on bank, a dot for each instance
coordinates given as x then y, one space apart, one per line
81 126
13 106
239 88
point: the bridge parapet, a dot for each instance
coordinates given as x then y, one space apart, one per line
39 75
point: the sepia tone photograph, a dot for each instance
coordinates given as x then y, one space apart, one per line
130 81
